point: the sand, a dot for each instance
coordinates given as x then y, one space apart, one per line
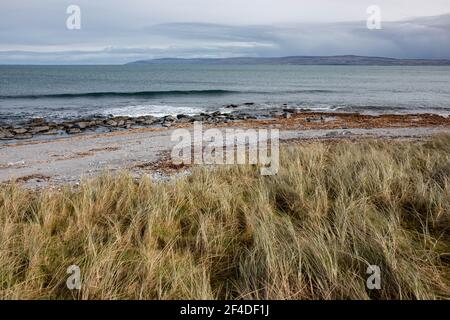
145 151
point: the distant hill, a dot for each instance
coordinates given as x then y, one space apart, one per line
304 60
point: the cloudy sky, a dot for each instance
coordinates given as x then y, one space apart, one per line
114 31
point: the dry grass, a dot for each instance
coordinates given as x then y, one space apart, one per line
308 233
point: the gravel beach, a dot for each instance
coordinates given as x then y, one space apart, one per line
66 160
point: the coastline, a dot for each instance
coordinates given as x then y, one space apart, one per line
145 149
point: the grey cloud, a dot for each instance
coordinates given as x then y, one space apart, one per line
427 37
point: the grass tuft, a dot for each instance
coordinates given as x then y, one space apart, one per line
309 232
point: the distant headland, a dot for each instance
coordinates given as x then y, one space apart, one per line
303 60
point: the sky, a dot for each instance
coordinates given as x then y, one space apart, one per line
115 32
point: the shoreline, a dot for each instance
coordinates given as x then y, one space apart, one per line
38 129
67 160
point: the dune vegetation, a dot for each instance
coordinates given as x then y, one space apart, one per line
309 232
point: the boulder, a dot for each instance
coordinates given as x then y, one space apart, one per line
19 130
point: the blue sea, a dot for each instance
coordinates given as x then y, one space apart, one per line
66 92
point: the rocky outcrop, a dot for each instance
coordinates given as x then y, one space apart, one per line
40 126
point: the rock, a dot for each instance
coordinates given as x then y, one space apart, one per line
148 122
184 120
111 123
170 118
40 129
167 124
5 134
51 132
74 131
287 115
289 110
231 106
20 130
197 118
81 125
249 104
37 121
121 123
217 113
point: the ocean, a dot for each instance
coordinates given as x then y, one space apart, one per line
60 93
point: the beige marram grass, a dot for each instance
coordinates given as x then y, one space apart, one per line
309 232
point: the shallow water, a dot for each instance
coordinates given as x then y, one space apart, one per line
65 92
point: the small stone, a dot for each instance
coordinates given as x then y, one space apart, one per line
184 120
37 121
148 122
40 129
111 123
182 116
51 132
81 125
170 118
74 131
197 118
5 134
20 130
